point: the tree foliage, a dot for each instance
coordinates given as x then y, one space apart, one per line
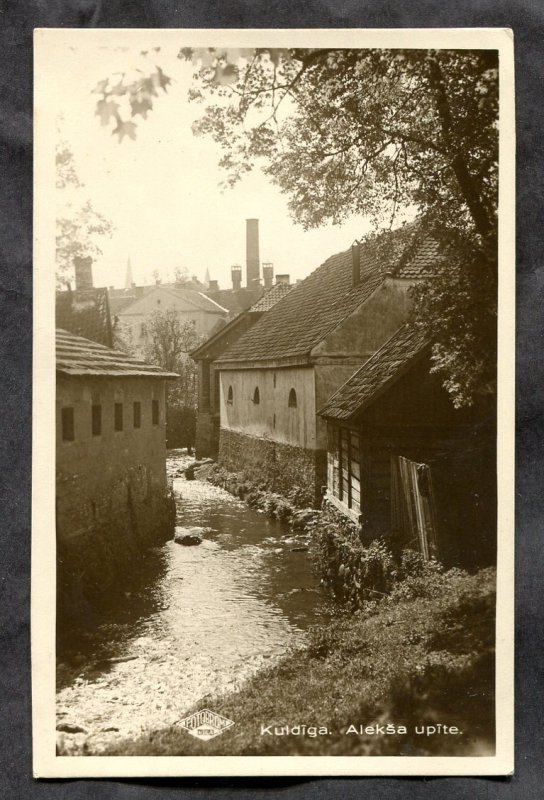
168 344
79 227
123 98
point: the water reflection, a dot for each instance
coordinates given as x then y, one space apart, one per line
195 620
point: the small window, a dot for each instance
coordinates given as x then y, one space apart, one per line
67 419
230 396
292 402
96 420
256 396
118 417
137 414
155 412
142 329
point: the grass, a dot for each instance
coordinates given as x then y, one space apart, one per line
421 657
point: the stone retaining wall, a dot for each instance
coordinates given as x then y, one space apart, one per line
282 468
113 531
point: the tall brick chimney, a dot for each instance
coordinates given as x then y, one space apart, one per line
268 274
355 263
252 252
83 266
236 274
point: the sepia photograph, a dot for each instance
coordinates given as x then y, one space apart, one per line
273 402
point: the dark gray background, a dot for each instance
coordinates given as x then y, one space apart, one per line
17 19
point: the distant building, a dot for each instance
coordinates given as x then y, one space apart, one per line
405 465
206 355
191 307
276 376
111 488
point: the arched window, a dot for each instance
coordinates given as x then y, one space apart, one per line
256 396
292 403
230 396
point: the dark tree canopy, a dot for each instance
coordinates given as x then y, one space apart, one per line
377 132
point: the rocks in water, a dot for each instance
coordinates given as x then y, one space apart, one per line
188 536
190 470
68 727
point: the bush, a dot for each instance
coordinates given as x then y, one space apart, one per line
353 572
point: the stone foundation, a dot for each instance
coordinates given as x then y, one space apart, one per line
102 540
207 435
281 467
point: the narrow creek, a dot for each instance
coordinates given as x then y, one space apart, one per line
199 620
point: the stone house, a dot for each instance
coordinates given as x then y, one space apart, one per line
277 375
191 307
405 465
206 355
111 489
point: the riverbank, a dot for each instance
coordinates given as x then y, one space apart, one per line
384 681
190 621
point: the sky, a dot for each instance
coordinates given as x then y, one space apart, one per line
161 191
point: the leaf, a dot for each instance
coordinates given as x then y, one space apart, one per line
162 79
225 75
124 128
106 109
140 105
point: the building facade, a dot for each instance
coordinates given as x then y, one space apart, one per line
112 496
191 307
276 376
406 466
206 356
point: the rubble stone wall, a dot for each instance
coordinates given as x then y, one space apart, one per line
281 467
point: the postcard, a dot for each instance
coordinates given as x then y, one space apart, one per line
273 415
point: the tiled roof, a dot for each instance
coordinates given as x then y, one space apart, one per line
120 301
317 305
79 356
200 300
271 297
85 312
377 374
222 333
236 300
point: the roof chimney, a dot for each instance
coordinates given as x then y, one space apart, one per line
83 266
284 278
268 274
236 274
355 263
213 286
252 252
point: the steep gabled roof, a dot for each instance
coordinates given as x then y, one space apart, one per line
79 356
326 297
266 302
85 312
194 299
383 369
271 297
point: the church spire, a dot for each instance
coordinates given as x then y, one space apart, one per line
129 280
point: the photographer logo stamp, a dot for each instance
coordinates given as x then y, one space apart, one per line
205 724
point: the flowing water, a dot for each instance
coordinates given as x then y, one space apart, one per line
198 620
